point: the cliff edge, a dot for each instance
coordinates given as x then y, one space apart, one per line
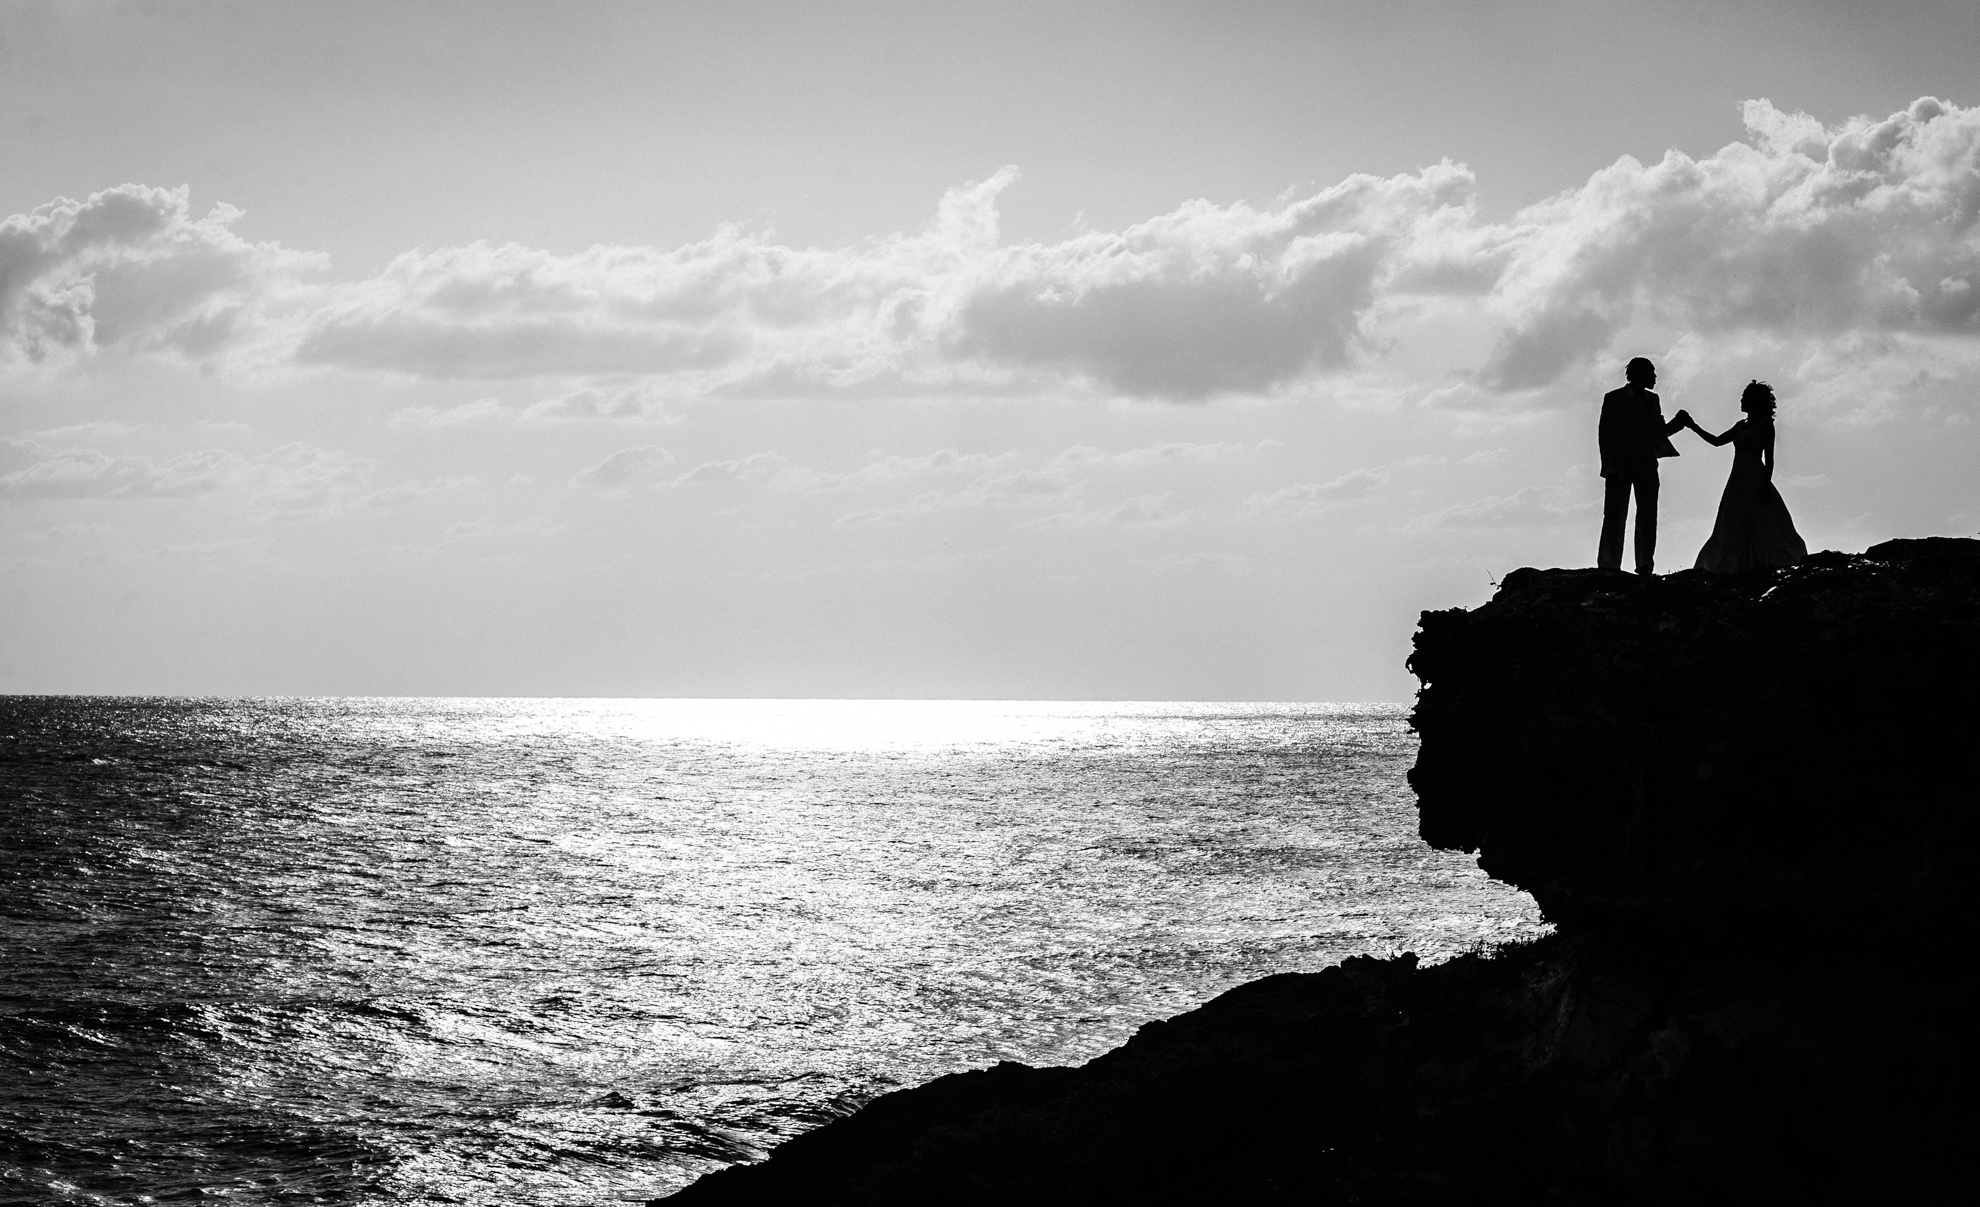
1746 802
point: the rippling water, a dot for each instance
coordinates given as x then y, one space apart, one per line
579 951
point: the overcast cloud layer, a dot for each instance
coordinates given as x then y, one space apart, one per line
1364 391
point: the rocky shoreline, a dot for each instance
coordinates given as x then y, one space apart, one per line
1746 802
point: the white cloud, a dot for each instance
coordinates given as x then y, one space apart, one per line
238 549
1867 225
398 495
37 471
625 469
295 481
482 410
1208 299
486 527
1533 507
1863 235
485 535
1203 300
65 533
100 430
1019 483
1139 511
721 312
1311 498
633 403
1008 488
896 468
755 467
303 482
1168 452
131 266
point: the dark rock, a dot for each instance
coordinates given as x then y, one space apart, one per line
1746 802
1701 756
1906 549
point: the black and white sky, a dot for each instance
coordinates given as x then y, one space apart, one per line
1095 350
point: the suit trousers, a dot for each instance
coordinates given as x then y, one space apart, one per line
1639 475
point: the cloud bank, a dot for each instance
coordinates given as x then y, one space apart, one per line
132 267
294 481
1808 230
1866 228
29 470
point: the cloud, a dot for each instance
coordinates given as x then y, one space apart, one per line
625 469
1139 511
295 481
716 313
755 467
493 312
237 549
97 430
1208 299
414 419
1870 224
991 480
1809 234
631 403
80 473
131 266
896 468
65 533
398 495
485 534
1168 452
1533 507
1019 483
1203 300
303 482
488 527
1310 498
1019 488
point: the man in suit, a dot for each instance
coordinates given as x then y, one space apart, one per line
1633 435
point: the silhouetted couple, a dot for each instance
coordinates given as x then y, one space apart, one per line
1753 529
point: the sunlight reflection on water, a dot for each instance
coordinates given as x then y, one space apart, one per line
563 951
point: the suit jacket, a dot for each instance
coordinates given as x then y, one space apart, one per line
1633 428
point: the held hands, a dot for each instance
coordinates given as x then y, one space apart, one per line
1684 417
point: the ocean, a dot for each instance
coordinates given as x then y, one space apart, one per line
394 951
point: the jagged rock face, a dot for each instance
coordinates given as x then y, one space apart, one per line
1700 755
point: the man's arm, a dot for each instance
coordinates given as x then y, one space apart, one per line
1655 433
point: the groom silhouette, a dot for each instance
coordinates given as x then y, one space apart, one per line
1633 434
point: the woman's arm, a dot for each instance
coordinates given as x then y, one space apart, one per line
1709 438
1767 454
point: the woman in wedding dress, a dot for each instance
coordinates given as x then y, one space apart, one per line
1754 528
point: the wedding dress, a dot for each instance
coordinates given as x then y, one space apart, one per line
1754 528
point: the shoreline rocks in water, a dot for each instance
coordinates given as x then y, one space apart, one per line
1746 802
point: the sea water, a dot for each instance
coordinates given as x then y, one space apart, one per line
581 951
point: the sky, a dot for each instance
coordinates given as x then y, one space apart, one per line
928 350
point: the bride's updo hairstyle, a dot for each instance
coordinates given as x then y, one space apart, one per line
1757 400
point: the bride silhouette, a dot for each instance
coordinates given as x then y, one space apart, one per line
1754 528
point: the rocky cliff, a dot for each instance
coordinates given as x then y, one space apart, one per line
1746 801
